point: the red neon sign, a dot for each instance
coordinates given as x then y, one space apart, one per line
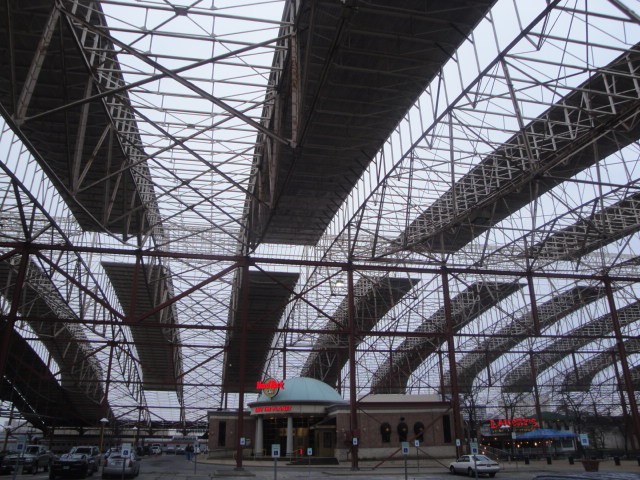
513 423
270 384
275 408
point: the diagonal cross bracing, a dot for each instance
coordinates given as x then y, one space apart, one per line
465 307
374 298
519 379
595 120
549 312
81 373
581 380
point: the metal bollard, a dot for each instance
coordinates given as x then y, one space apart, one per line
526 461
548 460
570 460
616 460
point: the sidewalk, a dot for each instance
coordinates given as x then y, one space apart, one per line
427 469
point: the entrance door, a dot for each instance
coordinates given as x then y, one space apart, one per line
325 440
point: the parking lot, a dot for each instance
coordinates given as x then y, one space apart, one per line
176 467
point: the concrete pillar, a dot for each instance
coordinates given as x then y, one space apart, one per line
259 446
289 436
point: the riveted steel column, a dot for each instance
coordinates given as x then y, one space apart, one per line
536 394
623 403
352 370
626 374
244 321
455 399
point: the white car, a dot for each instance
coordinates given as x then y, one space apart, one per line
468 464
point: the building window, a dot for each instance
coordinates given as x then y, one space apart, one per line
385 432
446 428
403 430
418 430
222 434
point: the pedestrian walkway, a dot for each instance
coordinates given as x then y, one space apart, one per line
427 469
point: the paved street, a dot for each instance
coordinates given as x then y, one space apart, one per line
176 467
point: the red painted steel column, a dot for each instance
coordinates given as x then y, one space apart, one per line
352 370
455 396
244 319
626 374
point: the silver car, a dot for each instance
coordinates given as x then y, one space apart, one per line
117 464
468 464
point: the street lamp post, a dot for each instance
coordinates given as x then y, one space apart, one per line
103 423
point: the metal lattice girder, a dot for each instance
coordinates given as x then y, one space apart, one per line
30 385
55 325
588 234
580 130
520 378
374 297
29 209
146 287
581 378
469 304
260 298
104 178
549 312
354 72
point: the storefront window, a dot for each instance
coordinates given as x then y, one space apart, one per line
385 432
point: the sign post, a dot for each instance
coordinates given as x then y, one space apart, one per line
417 445
20 447
275 453
309 454
405 454
474 451
125 452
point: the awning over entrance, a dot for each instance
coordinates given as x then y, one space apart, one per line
545 433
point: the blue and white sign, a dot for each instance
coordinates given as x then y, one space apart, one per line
405 448
275 450
584 439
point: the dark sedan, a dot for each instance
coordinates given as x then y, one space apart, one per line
70 465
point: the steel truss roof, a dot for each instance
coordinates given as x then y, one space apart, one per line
194 197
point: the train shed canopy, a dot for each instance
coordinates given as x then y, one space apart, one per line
435 199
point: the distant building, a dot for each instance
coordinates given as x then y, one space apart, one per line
299 414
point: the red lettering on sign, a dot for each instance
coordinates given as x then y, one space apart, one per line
274 408
272 384
513 423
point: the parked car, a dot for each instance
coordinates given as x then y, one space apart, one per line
119 464
32 459
156 449
4 469
93 456
468 464
71 465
